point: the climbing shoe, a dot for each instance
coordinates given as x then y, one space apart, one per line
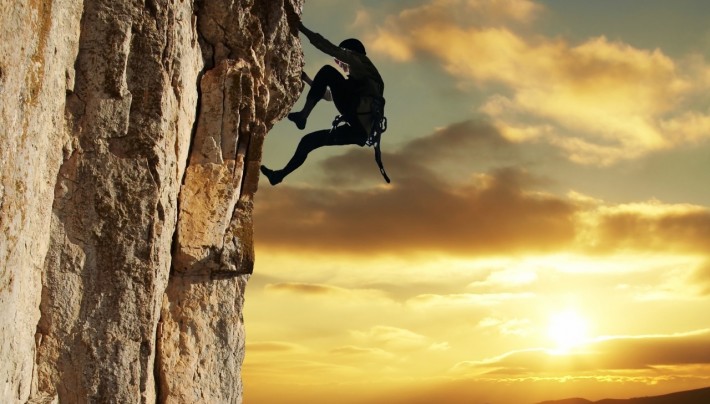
298 119
275 177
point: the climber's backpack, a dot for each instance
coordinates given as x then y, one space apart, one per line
379 126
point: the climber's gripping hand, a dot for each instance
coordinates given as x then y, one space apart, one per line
293 19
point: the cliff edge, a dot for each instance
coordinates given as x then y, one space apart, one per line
129 158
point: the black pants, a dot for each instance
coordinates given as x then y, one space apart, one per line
346 101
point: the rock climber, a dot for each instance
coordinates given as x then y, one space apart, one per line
358 99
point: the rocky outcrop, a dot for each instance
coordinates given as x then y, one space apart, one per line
132 135
37 52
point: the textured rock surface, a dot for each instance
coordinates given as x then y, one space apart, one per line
37 52
132 135
249 87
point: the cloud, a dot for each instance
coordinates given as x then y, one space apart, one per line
506 279
357 351
330 292
473 139
363 19
493 212
639 353
516 10
305 288
653 226
452 149
475 211
517 327
600 101
393 338
701 278
298 370
418 213
413 30
279 347
465 300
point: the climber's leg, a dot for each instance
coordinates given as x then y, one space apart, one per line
341 135
343 96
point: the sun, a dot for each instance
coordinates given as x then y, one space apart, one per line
568 329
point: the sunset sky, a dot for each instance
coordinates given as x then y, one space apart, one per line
547 230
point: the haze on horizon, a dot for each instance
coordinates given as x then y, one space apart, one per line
546 231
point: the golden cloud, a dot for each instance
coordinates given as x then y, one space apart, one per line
600 101
422 211
467 140
273 347
517 10
608 354
653 226
417 213
393 338
701 278
506 278
519 327
299 370
305 288
497 212
352 350
329 291
465 300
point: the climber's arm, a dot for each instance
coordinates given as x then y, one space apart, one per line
306 79
326 46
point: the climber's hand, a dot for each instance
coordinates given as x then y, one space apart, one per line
293 19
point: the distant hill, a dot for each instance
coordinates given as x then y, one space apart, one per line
699 396
568 401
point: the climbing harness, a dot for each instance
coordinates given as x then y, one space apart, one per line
379 126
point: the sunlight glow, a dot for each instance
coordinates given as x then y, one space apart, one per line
567 329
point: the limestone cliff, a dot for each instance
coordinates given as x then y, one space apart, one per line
131 139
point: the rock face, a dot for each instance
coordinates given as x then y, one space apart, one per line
131 141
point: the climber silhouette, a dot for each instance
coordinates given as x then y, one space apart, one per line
358 99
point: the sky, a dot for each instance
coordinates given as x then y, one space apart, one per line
546 231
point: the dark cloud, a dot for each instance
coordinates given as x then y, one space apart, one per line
453 150
489 213
676 231
627 353
304 288
417 213
474 138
